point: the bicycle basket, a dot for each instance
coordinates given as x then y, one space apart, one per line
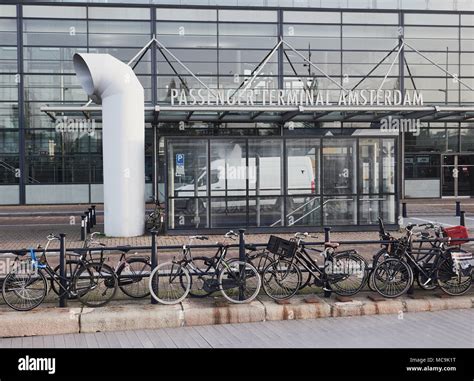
462 262
454 232
281 247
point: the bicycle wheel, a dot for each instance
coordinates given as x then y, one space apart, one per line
347 274
203 277
239 282
261 261
376 259
133 277
71 267
169 283
95 284
449 281
426 283
281 279
392 278
24 291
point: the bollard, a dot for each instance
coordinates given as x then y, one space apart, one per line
458 208
404 210
83 228
242 258
88 222
91 218
62 271
154 258
327 234
462 221
94 215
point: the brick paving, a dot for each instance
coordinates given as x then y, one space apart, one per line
28 225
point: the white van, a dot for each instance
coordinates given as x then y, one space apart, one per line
265 178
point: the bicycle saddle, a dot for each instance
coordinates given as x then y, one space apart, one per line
20 252
332 245
200 237
125 248
251 247
78 252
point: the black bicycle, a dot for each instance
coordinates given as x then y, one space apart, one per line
132 270
344 273
25 287
171 282
155 219
439 266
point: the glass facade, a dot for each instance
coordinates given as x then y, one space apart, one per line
42 161
279 182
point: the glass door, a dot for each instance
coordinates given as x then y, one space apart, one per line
449 175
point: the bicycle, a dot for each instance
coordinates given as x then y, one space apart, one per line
131 271
155 219
344 273
393 247
171 282
25 286
201 266
394 276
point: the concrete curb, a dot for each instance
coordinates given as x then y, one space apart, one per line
209 311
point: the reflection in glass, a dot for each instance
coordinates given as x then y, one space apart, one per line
372 207
339 163
340 210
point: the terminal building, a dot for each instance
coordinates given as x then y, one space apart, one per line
273 115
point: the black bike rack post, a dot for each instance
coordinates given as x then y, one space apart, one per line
94 215
327 234
83 228
404 210
62 270
88 222
462 221
241 258
154 257
458 208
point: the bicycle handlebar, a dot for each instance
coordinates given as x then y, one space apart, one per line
304 235
231 234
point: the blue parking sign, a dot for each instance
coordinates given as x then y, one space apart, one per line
179 164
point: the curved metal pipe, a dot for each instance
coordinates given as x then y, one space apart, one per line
113 84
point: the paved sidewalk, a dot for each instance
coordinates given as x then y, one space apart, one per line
442 329
127 315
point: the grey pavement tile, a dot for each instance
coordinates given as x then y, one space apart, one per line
112 340
80 339
6 342
134 339
17 342
91 340
59 341
69 341
123 339
101 338
144 339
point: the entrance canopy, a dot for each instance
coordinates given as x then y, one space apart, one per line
276 114
271 113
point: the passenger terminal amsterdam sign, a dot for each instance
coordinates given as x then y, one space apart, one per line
300 97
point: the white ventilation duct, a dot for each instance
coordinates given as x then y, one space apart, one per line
113 84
